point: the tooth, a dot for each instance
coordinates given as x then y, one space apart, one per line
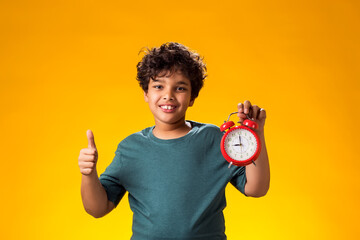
167 107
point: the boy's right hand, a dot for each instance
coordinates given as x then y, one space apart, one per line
88 156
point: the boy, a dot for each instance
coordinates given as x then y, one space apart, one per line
174 171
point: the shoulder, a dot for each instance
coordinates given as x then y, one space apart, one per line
207 130
205 127
135 138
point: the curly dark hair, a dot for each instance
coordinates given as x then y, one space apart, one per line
172 56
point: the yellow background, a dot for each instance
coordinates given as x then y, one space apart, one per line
69 66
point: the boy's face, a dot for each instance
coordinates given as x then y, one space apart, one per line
169 97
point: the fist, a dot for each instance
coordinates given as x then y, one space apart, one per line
88 156
254 112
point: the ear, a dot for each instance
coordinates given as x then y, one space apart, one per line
146 97
191 102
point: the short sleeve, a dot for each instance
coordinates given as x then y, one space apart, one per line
110 180
239 179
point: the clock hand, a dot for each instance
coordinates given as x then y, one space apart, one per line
240 144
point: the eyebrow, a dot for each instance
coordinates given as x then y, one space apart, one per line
179 82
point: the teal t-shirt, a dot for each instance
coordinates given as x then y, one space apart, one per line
176 187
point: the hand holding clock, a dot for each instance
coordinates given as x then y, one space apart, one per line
257 176
253 111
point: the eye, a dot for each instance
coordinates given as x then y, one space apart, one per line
157 87
181 89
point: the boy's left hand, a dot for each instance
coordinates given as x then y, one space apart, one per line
256 114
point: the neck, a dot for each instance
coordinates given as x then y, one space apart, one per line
170 131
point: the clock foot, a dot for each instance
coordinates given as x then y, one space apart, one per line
253 162
230 164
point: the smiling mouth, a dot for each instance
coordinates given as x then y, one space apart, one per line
167 107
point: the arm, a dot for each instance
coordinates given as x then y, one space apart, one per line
257 176
93 194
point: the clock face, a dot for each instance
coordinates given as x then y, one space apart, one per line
240 144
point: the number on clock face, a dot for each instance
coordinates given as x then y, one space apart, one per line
240 144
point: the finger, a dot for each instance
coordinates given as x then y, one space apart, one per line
247 106
255 111
242 117
240 113
240 108
262 114
86 171
87 165
90 137
87 158
88 151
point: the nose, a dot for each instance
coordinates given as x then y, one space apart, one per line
168 95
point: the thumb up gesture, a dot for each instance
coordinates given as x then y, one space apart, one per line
88 156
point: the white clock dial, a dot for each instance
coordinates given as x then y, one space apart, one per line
240 144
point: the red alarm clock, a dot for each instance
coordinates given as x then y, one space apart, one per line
240 145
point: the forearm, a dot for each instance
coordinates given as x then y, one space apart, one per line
258 176
93 195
